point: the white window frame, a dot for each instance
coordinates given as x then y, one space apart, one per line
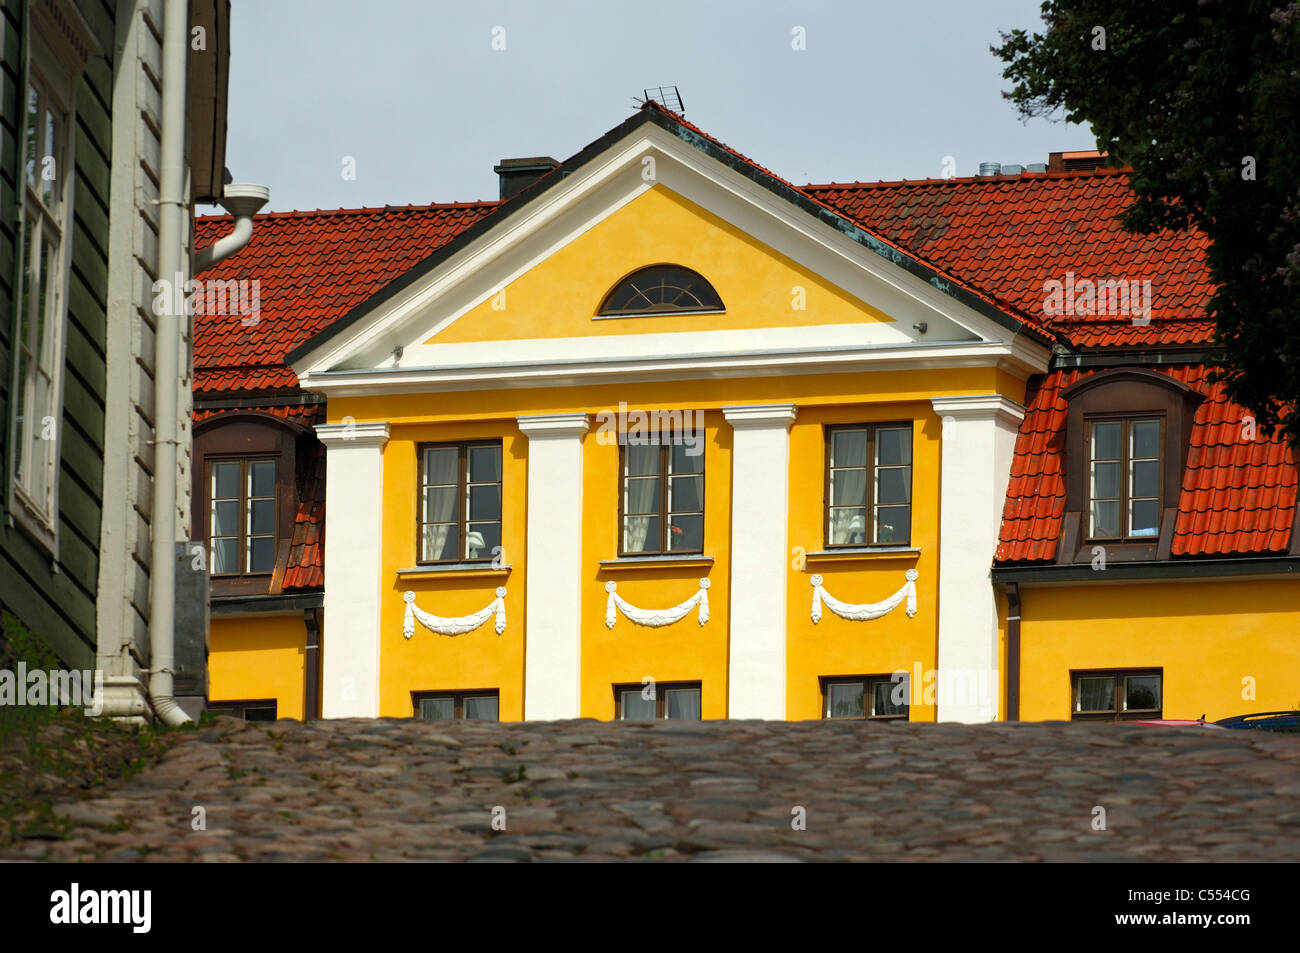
34 476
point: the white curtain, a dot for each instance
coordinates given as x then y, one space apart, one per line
642 495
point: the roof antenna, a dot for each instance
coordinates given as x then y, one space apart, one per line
666 96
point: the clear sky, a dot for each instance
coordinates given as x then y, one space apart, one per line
414 93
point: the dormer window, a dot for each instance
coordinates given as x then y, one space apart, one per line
1124 471
661 289
1125 446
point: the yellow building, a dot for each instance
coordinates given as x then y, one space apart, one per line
662 435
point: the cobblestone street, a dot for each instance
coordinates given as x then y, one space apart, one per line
707 791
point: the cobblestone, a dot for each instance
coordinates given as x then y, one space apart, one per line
392 789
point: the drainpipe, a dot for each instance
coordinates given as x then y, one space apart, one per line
242 201
173 205
1013 651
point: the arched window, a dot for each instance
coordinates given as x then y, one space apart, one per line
661 289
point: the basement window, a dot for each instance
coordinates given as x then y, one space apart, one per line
875 697
1117 695
679 700
265 709
481 705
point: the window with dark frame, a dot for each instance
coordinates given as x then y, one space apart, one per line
661 498
243 502
265 709
460 502
676 700
868 484
482 705
41 298
866 696
1116 694
661 289
1124 477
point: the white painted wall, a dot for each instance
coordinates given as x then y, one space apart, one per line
760 461
552 650
978 437
354 496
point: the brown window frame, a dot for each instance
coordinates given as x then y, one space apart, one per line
1113 393
661 698
458 705
1118 713
665 477
1125 479
872 429
462 499
239 709
868 683
244 534
249 434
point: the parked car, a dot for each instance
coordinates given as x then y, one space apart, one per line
1288 721
1176 723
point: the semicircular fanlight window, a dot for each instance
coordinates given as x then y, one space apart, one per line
661 289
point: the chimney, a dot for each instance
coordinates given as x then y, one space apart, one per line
1084 161
517 174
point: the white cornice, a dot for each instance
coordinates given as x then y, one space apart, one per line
624 370
368 434
979 407
536 426
756 416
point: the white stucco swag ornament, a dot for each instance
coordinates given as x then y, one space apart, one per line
457 625
862 612
655 617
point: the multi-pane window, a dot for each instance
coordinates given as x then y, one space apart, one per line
1124 477
242 515
867 696
663 700
38 339
460 502
263 710
868 484
457 706
661 289
661 498
1133 693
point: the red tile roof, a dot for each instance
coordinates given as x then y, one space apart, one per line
311 269
1010 235
1238 497
1001 238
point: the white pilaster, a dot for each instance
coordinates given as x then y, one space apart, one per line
760 466
978 438
354 493
553 593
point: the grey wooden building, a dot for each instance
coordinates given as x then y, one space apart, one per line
112 129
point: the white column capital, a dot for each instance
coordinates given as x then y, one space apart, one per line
366 434
979 407
754 416
553 425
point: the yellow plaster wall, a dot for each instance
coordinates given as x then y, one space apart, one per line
881 646
559 297
684 651
1207 636
256 657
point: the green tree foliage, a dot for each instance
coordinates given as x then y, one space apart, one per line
1202 100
